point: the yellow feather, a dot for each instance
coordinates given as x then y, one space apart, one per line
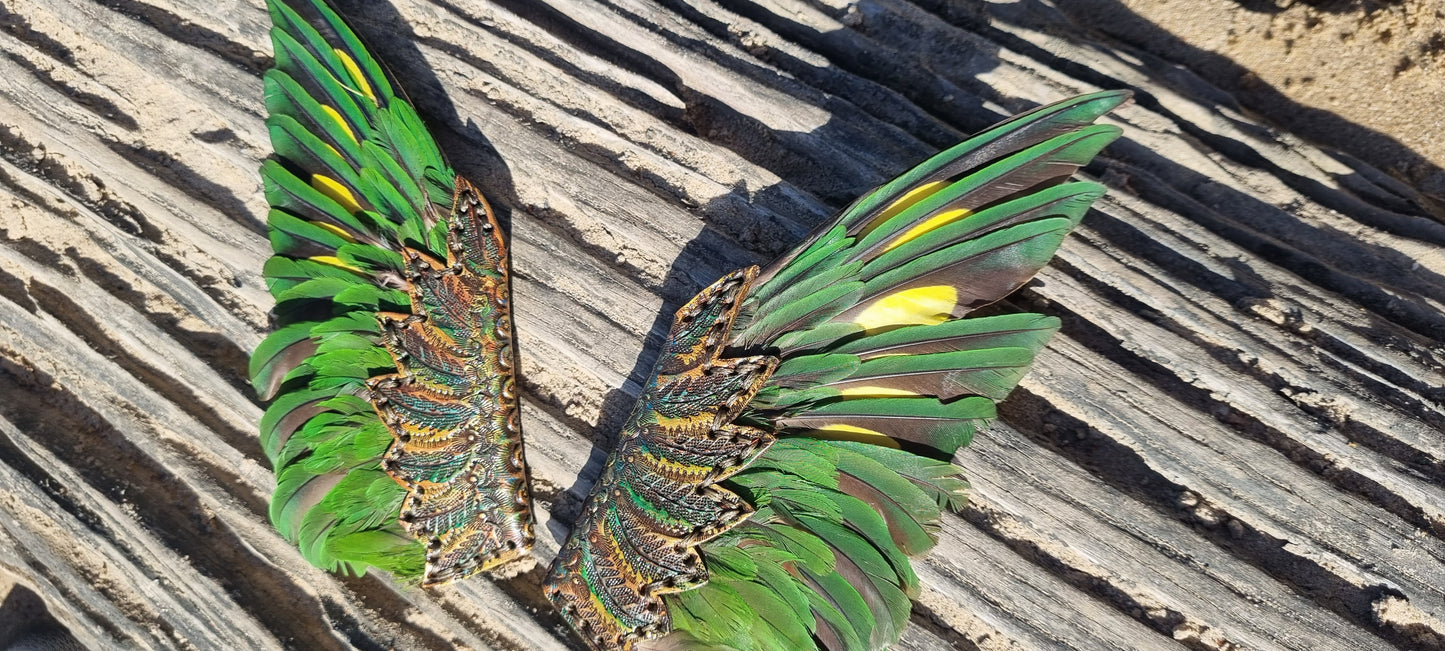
842 432
933 222
335 262
340 232
334 189
341 121
875 392
917 306
905 202
355 72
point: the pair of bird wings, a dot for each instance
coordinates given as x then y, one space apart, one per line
790 452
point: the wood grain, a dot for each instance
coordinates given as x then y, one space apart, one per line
1236 441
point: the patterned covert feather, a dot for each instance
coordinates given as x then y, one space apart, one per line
627 551
452 405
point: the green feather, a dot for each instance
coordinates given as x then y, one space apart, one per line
360 364
1023 330
372 258
295 237
301 64
284 96
838 604
811 339
324 58
780 629
285 415
773 575
791 456
910 513
808 285
278 353
321 430
378 159
287 192
798 499
1005 258
339 34
803 313
1043 163
926 421
860 518
1016 133
380 193
1069 200
990 372
373 299
406 136
833 242
812 554
393 551
940 480
714 614
311 289
297 493
807 370
304 150
283 273
862 565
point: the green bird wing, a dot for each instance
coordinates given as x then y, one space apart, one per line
392 424
791 453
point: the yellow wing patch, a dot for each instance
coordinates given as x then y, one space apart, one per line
875 392
332 150
921 229
335 262
342 122
340 232
334 189
841 432
905 202
917 306
355 72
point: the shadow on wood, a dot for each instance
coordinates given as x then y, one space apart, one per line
1235 442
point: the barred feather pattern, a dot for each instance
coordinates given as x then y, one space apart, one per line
452 404
658 497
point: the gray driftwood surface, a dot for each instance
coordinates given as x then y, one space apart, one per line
1235 442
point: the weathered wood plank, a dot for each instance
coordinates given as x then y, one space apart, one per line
1235 443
